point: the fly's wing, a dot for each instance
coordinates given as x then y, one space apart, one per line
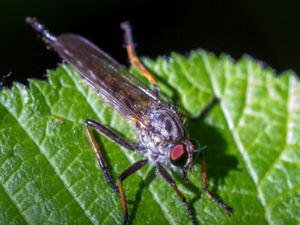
118 87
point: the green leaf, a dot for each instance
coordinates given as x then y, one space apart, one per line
49 174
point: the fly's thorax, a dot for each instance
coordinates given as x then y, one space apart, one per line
164 141
165 125
162 133
164 128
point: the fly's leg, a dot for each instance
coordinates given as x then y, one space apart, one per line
204 112
208 107
167 177
132 169
218 201
102 129
134 60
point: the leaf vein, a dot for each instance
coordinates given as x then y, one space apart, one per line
15 204
246 96
37 146
235 136
272 165
129 158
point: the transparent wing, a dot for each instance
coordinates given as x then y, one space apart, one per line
118 87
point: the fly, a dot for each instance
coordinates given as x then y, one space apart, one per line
162 137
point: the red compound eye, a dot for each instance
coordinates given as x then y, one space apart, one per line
177 152
178 155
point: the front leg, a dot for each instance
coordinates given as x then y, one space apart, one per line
210 196
114 137
167 177
208 107
204 111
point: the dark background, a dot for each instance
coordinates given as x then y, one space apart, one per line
267 30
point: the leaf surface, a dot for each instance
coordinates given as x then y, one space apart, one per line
49 174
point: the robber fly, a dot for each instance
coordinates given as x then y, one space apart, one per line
162 138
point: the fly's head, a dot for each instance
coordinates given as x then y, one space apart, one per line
181 155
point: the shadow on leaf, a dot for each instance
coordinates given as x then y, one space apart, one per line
218 163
